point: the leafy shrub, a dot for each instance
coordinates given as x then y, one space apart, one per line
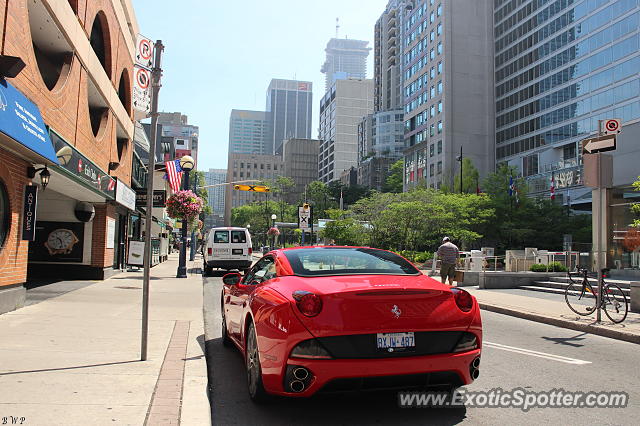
552 267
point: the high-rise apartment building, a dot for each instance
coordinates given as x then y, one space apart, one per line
289 107
387 64
345 59
175 129
248 131
448 89
341 110
215 196
560 68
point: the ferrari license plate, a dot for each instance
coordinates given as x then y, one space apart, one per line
395 340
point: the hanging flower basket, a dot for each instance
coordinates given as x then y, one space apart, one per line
184 205
273 231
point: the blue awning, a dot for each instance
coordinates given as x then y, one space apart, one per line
20 119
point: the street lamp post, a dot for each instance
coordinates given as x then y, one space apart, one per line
460 160
273 225
186 163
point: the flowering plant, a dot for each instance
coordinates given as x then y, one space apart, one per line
184 205
273 231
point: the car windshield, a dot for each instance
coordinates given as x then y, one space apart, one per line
323 261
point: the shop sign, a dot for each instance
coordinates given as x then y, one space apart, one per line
29 212
58 242
20 119
125 195
111 233
159 198
136 253
83 168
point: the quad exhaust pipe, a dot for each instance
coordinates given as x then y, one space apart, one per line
297 386
474 368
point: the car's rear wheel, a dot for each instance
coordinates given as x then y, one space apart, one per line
254 371
226 341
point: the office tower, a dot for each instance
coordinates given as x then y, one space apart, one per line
341 109
585 69
248 131
215 196
289 106
249 168
300 157
448 90
345 59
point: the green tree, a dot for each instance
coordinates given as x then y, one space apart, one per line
281 188
319 196
470 178
197 180
635 207
350 193
393 181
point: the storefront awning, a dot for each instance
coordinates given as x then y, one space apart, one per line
21 122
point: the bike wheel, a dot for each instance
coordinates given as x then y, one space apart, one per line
615 303
580 299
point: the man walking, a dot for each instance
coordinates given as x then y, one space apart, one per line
449 255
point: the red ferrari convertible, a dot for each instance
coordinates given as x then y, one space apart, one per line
333 319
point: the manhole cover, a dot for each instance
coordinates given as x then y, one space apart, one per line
128 288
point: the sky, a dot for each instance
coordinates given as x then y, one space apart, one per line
221 55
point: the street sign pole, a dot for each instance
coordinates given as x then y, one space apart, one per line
156 75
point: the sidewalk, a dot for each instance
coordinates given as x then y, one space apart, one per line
75 359
555 312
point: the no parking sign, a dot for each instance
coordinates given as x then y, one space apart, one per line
612 126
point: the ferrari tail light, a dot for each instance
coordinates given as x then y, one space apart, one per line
463 299
467 342
308 303
310 349
209 251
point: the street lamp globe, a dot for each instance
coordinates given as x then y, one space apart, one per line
274 217
248 226
187 163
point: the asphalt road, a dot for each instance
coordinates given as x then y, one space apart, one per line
517 354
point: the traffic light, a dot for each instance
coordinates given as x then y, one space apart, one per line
252 188
305 206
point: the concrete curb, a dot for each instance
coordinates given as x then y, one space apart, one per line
558 322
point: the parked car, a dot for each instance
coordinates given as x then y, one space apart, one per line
228 248
325 319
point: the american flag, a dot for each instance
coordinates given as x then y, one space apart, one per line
174 174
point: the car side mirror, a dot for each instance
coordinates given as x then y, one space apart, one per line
233 278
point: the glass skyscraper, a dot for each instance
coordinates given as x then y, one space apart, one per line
289 104
247 132
560 67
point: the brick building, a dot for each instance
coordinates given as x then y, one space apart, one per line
78 57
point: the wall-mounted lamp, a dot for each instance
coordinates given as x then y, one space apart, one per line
44 175
10 66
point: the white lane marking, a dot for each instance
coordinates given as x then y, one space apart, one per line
536 353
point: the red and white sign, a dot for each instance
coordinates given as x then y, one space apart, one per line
612 126
144 52
141 90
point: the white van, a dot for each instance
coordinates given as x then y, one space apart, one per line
228 248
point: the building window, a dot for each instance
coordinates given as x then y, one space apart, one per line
439 147
5 214
439 67
439 87
439 9
241 174
431 150
432 54
439 107
433 110
530 165
439 126
439 29
242 165
432 91
432 35
432 130
439 167
275 167
431 170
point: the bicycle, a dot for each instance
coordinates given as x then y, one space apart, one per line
581 297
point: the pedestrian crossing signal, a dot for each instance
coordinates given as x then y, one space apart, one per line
252 188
